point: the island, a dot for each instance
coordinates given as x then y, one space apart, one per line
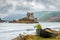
28 19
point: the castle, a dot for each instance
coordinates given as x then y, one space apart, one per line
28 19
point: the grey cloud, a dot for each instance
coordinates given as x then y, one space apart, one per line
55 3
4 6
46 3
4 9
29 0
23 7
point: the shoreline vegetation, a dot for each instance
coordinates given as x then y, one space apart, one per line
40 34
35 37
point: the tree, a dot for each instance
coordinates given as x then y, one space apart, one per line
38 26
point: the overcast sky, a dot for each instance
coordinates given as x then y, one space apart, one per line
8 7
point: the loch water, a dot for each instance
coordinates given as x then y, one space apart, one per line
8 31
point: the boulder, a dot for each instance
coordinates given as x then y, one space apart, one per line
47 33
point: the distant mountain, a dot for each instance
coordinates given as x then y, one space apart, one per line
41 13
14 17
50 16
19 16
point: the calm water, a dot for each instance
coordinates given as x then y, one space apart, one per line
8 31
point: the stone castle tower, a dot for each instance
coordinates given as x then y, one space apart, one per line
30 15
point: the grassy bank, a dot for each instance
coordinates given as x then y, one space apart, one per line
33 37
40 38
